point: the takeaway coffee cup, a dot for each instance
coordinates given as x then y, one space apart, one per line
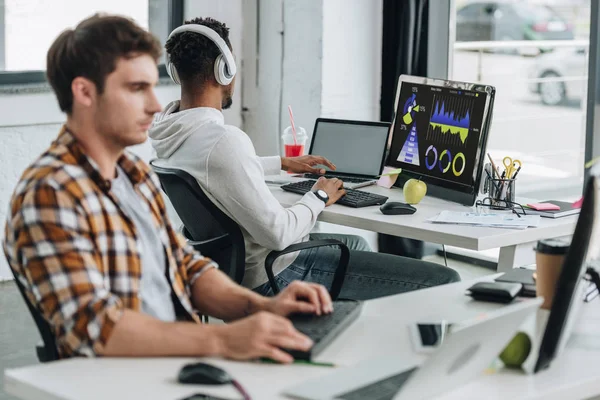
549 259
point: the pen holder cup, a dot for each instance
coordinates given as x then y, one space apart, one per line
500 191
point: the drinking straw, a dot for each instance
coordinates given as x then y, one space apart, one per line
293 125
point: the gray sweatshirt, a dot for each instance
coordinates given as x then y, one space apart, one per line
223 160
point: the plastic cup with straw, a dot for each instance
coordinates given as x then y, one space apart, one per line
293 144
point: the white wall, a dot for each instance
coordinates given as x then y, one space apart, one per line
303 45
322 57
351 59
261 89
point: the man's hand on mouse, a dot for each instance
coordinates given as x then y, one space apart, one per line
306 164
263 334
333 187
301 297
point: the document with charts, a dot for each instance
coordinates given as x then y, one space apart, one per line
511 221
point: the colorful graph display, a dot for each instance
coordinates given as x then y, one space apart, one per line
451 115
437 132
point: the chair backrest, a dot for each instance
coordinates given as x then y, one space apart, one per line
208 228
49 351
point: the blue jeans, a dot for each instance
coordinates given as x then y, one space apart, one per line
370 275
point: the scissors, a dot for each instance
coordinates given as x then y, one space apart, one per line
510 166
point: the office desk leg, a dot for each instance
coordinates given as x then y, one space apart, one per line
516 256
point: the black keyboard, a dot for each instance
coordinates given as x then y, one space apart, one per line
352 198
324 328
384 389
348 179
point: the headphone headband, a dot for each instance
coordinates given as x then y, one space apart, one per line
223 73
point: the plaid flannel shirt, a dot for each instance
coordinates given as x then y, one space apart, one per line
77 253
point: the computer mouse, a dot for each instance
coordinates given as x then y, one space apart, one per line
203 374
397 208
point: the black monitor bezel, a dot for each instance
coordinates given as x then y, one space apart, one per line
352 122
463 194
570 278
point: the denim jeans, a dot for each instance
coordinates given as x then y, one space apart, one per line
370 275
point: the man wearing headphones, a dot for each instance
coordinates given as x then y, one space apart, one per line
88 235
191 135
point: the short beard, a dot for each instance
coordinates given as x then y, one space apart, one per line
227 102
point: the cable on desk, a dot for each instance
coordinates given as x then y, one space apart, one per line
241 389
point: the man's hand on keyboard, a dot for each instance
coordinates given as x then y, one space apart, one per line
260 335
301 297
333 187
306 164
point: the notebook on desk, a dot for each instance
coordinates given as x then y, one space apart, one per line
566 208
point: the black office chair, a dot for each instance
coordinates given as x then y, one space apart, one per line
210 231
47 351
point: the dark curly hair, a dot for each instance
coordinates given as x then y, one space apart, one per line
91 50
194 55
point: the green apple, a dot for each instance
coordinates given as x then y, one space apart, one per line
515 354
414 190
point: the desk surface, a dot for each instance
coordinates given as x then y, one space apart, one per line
380 331
416 226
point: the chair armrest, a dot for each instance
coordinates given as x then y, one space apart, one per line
210 245
340 271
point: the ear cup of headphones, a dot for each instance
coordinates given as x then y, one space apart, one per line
172 71
222 74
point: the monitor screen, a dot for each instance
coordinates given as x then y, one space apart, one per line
354 147
439 131
584 251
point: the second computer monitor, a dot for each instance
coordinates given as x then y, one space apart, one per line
439 134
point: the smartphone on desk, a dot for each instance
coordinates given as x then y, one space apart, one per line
426 337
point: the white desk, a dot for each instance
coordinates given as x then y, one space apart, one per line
380 331
515 245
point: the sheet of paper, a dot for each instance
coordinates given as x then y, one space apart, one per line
491 220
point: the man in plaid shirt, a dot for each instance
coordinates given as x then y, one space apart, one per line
88 234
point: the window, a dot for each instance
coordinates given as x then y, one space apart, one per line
538 13
536 58
470 11
29 27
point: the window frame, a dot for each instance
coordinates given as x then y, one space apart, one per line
175 19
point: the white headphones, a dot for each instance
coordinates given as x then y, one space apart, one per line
225 68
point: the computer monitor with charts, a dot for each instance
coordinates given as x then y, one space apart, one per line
439 134
570 288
